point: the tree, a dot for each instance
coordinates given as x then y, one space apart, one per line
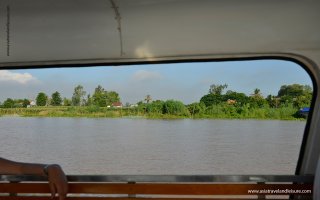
301 101
18 103
56 99
217 89
104 98
41 99
211 99
67 102
173 107
78 96
148 98
257 100
25 103
240 98
215 95
99 96
8 103
112 97
298 95
294 90
89 100
155 107
196 108
257 93
273 101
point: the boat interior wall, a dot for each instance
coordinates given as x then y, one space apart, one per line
40 33
83 31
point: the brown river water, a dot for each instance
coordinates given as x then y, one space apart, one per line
158 147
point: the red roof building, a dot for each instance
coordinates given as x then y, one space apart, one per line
117 104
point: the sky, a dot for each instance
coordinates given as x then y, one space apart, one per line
187 82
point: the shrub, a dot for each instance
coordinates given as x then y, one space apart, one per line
173 107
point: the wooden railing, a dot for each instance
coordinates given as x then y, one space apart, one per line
166 188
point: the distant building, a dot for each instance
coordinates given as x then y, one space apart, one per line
117 105
32 104
231 101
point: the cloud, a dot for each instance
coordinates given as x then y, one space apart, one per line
143 75
21 78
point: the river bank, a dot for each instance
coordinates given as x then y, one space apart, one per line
284 113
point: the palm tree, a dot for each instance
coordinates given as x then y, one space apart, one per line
256 93
148 98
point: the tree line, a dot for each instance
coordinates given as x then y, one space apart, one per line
217 102
296 95
100 97
231 104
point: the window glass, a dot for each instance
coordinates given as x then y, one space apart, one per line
244 117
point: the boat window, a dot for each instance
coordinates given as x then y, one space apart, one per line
235 117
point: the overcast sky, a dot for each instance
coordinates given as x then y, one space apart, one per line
187 82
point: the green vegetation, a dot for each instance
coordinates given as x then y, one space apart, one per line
56 99
78 96
18 103
103 98
41 99
217 104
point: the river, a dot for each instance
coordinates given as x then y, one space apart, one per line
142 146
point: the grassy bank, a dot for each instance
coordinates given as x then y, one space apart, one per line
65 112
231 112
214 112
